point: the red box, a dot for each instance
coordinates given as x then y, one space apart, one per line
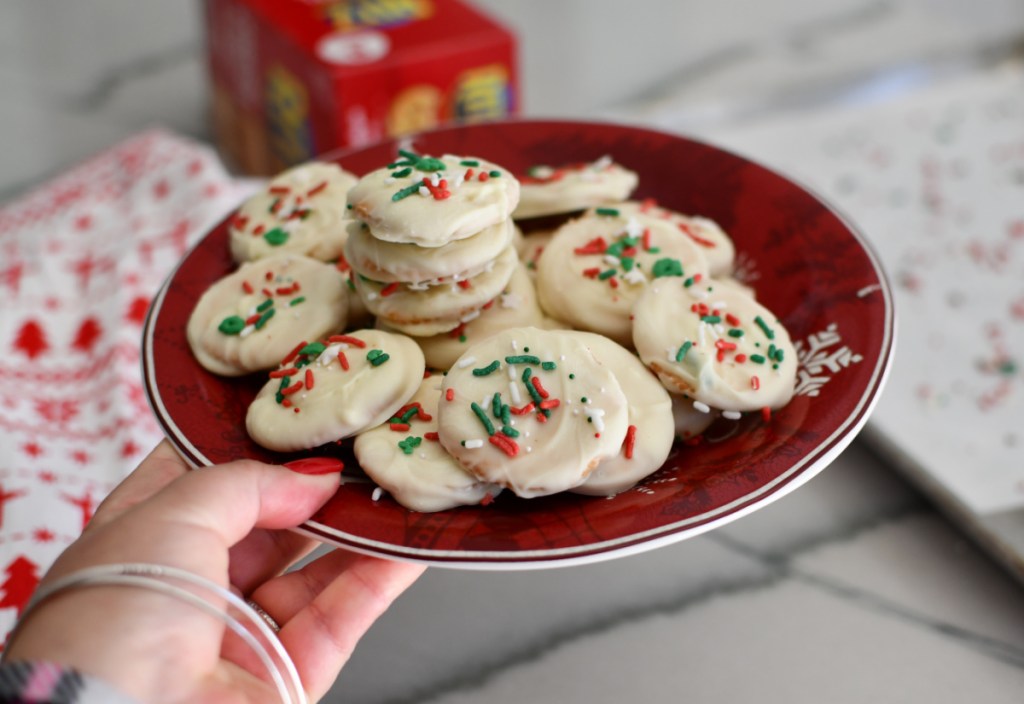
292 79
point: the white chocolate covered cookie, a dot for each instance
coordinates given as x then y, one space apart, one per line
325 391
546 190
515 307
250 319
650 432
531 410
431 201
716 245
301 211
689 421
597 266
712 342
434 307
404 457
532 247
387 261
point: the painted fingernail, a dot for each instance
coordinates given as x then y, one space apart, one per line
315 465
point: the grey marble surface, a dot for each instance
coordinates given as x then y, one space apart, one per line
851 589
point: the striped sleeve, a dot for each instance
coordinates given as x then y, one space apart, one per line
49 683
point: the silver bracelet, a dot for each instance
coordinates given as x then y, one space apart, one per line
155 578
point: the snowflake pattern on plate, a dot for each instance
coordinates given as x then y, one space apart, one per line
821 358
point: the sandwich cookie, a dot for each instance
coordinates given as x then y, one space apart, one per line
301 211
334 388
651 430
546 190
597 266
715 344
248 320
532 410
430 201
404 457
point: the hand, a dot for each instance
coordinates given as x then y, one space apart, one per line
225 524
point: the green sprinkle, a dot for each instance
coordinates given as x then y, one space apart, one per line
522 359
412 156
768 332
667 267
410 444
488 425
351 284
349 206
401 173
489 369
469 162
404 418
296 301
527 373
758 359
778 354
735 332
377 357
276 237
510 431
526 349
462 338
604 275
654 250
264 318
285 383
711 319
1007 367
550 366
627 263
313 349
263 306
681 354
775 366
688 283
506 414
232 325
607 211
494 174
771 351
583 399
406 192
496 406
572 376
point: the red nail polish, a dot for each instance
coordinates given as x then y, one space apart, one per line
315 465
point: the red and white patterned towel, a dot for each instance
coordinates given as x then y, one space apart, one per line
80 259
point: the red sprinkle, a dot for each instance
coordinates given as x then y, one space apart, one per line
741 358
343 360
440 191
277 374
541 418
469 174
297 386
528 408
399 427
348 339
269 276
342 263
464 284
247 287
432 435
267 292
309 378
755 383
594 246
253 319
316 189
286 403
725 345
613 282
592 272
297 409
389 289
482 176
535 380
505 444
647 239
695 237
732 320
549 404
766 414
449 395
630 441
258 230
294 353
280 190
239 222
458 331
487 500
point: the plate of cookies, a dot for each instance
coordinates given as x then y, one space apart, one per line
532 343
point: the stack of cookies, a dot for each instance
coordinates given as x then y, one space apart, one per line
431 240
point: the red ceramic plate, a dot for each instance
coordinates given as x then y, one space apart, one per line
807 264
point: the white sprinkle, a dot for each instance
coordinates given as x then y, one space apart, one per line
371 296
731 415
423 455
328 355
486 403
670 354
575 411
529 449
720 304
435 179
526 433
562 357
603 163
597 418
389 180
702 407
701 335
609 259
472 315
421 286
466 362
515 346
513 390
634 276
511 300
474 444
634 228
377 494
247 330
697 293
424 191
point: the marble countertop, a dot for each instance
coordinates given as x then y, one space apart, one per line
854 588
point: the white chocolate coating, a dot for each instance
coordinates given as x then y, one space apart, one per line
438 307
728 362
388 261
716 245
546 457
316 307
515 307
471 206
309 215
532 247
570 284
342 402
650 417
689 422
566 189
426 478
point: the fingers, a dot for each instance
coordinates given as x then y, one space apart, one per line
161 467
321 636
263 555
